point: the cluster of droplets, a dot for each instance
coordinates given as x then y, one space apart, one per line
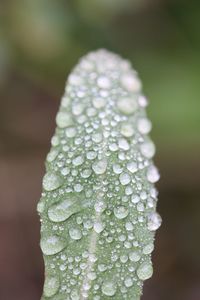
98 206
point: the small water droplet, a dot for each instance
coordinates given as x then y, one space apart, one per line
145 271
132 167
131 82
120 212
100 166
134 256
148 249
51 181
109 288
52 244
144 125
123 144
63 119
51 286
148 149
153 174
124 178
77 161
127 130
127 105
154 221
104 82
98 227
75 233
128 282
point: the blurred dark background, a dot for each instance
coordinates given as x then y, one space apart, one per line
40 41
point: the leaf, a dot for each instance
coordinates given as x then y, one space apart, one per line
98 205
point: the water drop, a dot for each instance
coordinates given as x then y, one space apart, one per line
77 161
75 233
127 105
120 212
148 249
63 119
51 286
148 149
154 221
104 82
128 282
100 166
109 288
145 271
52 244
132 166
144 125
123 144
51 181
127 130
124 178
130 82
98 227
62 211
153 174
134 256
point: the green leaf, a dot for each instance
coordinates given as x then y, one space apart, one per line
98 205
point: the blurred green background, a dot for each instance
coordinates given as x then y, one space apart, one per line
40 41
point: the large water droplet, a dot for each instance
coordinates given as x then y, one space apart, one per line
145 271
52 244
120 212
100 166
51 181
154 221
109 288
63 210
51 286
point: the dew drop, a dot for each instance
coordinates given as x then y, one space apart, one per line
145 271
51 286
75 233
134 256
52 244
132 167
128 282
131 82
120 212
109 288
127 105
123 144
127 130
62 211
148 249
148 149
51 181
99 102
154 221
104 82
124 178
63 119
144 125
153 174
100 166
98 227
52 155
